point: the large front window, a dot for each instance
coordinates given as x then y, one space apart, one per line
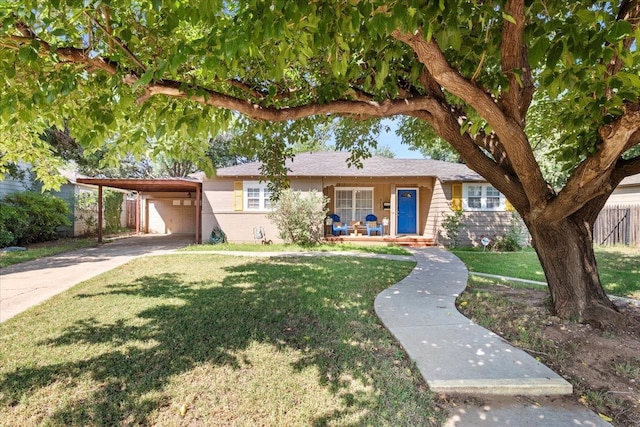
257 196
482 197
353 204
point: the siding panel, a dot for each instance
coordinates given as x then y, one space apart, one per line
625 196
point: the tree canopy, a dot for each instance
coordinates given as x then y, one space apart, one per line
131 72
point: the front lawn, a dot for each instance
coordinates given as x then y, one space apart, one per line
280 247
619 267
214 340
39 250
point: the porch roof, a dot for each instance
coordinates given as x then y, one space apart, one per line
334 164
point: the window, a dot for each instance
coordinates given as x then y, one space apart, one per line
474 197
257 196
353 204
482 197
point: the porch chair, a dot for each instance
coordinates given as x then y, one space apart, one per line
371 221
337 226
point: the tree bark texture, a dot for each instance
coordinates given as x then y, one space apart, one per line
565 250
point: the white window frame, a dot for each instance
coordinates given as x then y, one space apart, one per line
353 200
466 187
264 202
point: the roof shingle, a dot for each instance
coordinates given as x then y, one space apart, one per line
334 164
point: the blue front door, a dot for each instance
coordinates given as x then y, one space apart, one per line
407 210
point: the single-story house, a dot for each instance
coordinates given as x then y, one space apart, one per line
412 196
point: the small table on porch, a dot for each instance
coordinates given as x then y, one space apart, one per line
354 228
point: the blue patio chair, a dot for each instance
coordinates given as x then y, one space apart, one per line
337 226
371 221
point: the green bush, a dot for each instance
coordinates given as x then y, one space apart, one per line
300 217
510 242
452 223
30 217
13 222
112 211
86 211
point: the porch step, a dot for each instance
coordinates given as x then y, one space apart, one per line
411 241
416 242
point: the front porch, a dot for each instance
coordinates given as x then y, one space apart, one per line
399 204
411 241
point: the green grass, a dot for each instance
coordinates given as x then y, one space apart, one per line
278 247
619 267
47 249
215 340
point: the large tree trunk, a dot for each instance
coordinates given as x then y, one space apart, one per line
565 250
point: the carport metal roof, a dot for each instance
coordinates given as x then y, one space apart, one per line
145 185
162 185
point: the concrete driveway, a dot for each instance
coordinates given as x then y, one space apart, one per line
27 284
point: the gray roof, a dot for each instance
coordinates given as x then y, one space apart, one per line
631 180
334 164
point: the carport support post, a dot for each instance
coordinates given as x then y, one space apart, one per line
137 212
99 213
198 213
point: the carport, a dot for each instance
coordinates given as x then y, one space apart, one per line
141 186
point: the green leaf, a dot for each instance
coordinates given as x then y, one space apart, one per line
554 54
619 30
508 17
144 80
538 50
27 54
381 75
455 39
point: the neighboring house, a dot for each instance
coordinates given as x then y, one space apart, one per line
414 195
70 192
10 184
626 193
619 221
83 222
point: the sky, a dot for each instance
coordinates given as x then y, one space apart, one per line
393 141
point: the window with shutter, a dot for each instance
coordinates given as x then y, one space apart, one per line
481 197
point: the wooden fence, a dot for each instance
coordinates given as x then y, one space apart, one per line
618 225
131 213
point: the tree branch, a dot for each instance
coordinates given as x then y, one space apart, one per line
517 97
445 124
593 176
260 112
625 168
119 42
630 12
430 84
510 132
70 54
492 144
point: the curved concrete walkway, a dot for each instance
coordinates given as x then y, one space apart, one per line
454 355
